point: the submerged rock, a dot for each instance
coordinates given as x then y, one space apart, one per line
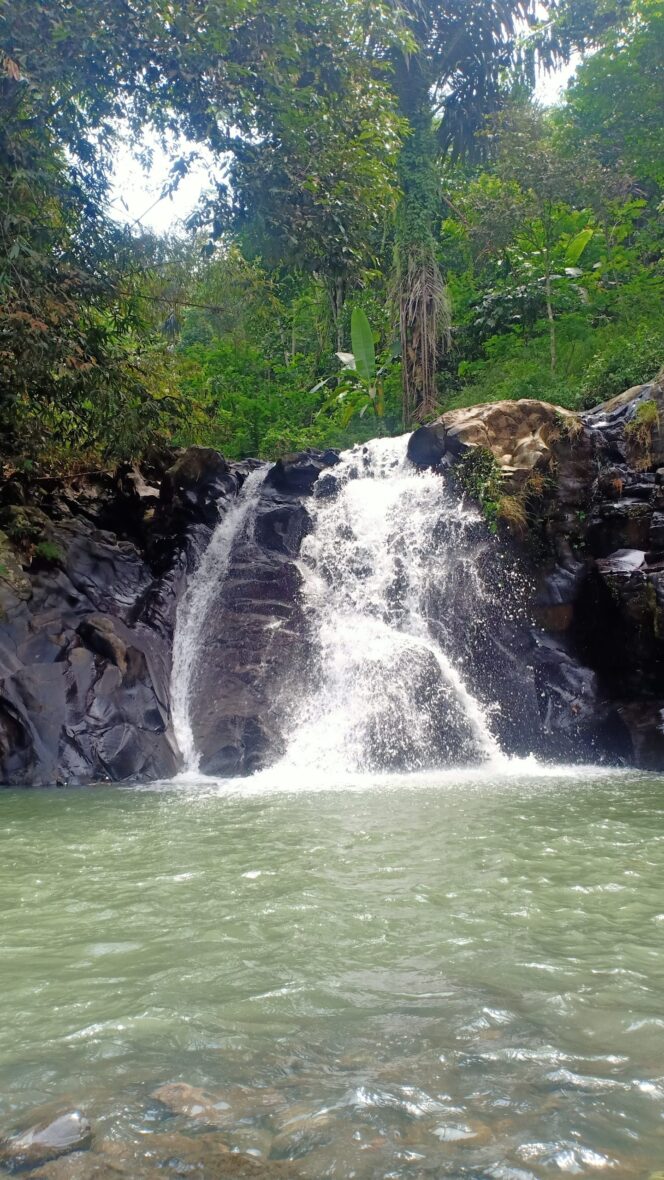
225 1109
165 1154
195 1103
67 1133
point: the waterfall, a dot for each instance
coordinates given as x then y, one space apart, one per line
388 690
193 609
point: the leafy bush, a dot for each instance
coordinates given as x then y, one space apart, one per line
49 551
480 475
630 360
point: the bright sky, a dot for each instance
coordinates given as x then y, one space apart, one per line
136 191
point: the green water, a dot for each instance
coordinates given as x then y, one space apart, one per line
460 976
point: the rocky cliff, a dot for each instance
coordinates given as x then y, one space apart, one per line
583 497
92 569
91 572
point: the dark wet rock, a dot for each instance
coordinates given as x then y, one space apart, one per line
84 690
426 446
282 528
194 494
619 630
557 594
86 631
645 724
326 486
196 482
257 643
298 473
575 717
656 534
622 561
67 1133
595 550
86 634
620 524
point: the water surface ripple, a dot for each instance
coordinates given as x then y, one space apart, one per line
454 975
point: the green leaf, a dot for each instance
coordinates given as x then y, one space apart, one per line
577 245
363 345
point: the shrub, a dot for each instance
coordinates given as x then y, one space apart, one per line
480 475
49 551
641 429
626 362
511 511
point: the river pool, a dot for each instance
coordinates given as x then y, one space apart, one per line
457 974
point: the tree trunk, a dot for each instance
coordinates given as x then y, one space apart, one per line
420 290
337 293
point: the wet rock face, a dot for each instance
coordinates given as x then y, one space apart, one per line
257 641
598 533
90 575
91 572
85 661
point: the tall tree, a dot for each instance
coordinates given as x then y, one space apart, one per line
447 75
626 135
451 70
313 147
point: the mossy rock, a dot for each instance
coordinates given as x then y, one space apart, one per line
12 574
23 526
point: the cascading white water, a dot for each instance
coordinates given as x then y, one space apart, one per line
389 691
188 648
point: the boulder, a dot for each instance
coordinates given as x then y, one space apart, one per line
426 446
519 434
67 1133
198 478
224 1109
256 642
193 496
298 473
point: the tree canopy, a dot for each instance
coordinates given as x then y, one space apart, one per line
382 164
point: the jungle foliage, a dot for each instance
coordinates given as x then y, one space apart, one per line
399 228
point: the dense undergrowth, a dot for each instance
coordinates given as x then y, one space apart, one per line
549 235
